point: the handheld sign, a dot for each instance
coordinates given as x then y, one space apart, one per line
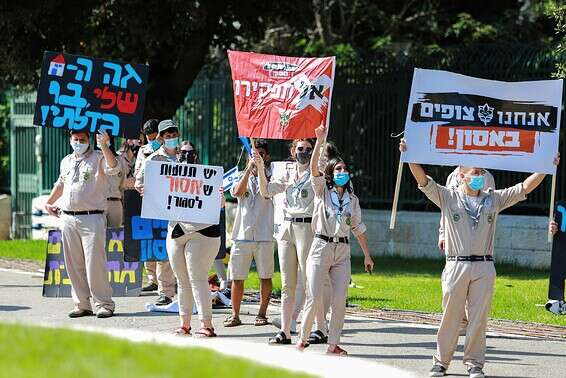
281 97
125 277
182 192
83 93
454 119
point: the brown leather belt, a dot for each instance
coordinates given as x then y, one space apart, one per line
335 239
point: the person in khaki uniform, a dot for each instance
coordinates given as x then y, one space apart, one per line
252 238
81 192
115 209
295 235
149 130
336 212
166 281
470 215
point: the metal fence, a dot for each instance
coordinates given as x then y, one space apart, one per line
369 103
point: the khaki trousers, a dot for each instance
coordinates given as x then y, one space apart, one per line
160 272
330 260
293 253
84 248
191 256
114 214
472 282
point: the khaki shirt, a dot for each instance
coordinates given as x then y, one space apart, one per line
460 236
326 218
84 180
116 182
299 194
161 155
254 214
143 153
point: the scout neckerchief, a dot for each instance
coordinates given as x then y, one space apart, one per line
475 216
339 204
78 160
299 186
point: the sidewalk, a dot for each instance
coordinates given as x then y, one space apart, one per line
402 345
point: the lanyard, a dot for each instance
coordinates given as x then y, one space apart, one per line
339 204
298 187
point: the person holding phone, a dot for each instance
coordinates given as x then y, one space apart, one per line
336 212
81 191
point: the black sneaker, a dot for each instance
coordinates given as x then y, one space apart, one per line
163 300
476 372
437 371
79 313
152 286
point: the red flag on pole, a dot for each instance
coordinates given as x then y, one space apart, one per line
281 97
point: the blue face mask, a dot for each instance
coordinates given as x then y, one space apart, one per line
154 144
171 143
341 178
476 182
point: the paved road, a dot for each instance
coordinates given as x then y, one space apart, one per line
403 345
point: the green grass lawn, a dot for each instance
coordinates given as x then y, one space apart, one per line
37 352
407 284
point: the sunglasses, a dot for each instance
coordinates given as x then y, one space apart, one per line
305 149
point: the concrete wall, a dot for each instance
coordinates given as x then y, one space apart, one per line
519 239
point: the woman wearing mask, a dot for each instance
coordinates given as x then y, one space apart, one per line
192 248
116 186
336 212
295 234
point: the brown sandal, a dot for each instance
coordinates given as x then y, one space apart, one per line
205 332
232 321
260 320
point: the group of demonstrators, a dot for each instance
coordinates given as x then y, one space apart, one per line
320 210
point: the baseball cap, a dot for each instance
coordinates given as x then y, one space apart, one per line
166 124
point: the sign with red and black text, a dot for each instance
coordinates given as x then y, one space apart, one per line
454 119
281 97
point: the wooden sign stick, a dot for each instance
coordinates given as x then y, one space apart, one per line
551 211
396 195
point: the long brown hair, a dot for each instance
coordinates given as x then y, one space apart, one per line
329 174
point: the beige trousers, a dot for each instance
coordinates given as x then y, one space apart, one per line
191 256
160 272
114 214
330 260
84 248
293 253
472 282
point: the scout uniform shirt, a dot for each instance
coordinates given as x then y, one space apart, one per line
334 216
143 153
471 234
85 182
116 182
254 215
161 155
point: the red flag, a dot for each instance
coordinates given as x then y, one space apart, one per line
281 97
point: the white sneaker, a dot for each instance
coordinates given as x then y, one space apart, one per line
104 313
556 307
476 372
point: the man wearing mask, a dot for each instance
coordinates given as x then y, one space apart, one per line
81 190
470 216
168 132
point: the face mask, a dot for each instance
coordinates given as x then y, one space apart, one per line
171 143
476 182
341 178
155 144
79 148
304 157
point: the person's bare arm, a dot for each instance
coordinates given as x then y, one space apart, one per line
320 133
102 139
418 172
368 261
241 186
55 194
534 180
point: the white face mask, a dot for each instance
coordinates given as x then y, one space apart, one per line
79 148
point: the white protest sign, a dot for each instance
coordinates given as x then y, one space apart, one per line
182 192
454 119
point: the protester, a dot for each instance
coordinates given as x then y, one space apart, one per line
295 234
117 184
470 216
81 192
160 276
189 154
336 212
191 248
556 303
252 237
